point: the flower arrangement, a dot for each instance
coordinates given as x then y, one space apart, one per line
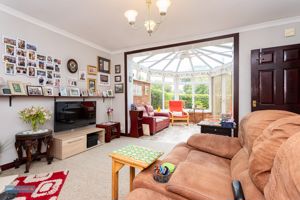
109 113
35 116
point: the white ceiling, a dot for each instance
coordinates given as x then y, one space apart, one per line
102 22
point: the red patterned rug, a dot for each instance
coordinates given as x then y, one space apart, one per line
40 186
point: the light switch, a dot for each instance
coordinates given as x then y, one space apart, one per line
289 32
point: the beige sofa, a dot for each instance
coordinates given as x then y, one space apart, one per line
207 164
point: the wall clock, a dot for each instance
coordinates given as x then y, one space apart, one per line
72 66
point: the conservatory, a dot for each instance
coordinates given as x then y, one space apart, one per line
199 74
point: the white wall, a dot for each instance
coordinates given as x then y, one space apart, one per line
263 38
48 43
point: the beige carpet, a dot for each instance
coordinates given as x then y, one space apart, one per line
90 172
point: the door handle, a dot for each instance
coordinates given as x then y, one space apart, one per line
254 103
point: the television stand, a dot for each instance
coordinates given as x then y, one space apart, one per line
69 143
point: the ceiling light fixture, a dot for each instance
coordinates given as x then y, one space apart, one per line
150 25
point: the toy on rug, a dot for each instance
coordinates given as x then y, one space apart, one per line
163 172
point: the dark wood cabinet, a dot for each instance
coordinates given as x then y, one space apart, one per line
136 128
112 130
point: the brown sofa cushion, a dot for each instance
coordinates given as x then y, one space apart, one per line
284 182
254 123
196 182
239 163
218 145
141 193
250 190
266 146
178 154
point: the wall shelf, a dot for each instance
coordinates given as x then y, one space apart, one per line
10 97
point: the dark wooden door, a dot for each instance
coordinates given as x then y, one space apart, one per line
275 78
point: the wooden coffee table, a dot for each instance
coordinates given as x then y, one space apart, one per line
122 157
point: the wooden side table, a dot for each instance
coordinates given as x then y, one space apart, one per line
29 142
112 130
119 161
217 129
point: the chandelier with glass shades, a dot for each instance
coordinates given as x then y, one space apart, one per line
150 25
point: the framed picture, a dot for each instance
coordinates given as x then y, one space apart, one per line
92 70
21 62
109 93
104 93
91 84
34 90
10 69
9 59
31 72
84 93
118 79
72 83
103 65
10 50
91 92
48 91
16 88
104 79
8 40
82 75
31 47
21 44
75 92
63 92
42 80
21 53
5 91
119 88
117 69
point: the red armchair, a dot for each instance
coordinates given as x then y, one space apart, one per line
177 113
157 121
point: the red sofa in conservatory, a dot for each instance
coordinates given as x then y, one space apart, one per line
157 121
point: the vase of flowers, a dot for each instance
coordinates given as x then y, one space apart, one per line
35 116
110 114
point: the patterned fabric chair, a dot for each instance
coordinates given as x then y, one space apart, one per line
177 113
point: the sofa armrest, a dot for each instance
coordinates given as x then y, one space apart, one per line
218 145
162 114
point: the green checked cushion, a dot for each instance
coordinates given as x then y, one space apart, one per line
139 153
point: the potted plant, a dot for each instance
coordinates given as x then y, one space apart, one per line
35 116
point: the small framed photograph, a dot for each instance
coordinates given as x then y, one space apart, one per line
104 79
48 91
41 65
50 74
31 55
91 70
34 90
75 92
117 69
49 59
57 68
9 59
109 93
84 93
8 40
63 92
41 57
57 61
56 82
21 44
32 72
10 69
31 47
104 65
21 70
5 91
42 80
104 93
91 84
91 92
10 50
49 67
56 75
119 88
21 53
82 75
40 72
49 82
16 88
21 61
118 79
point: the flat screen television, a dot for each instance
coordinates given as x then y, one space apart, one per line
74 114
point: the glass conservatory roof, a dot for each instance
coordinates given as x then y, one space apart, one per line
190 59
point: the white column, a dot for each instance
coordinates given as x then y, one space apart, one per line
223 93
